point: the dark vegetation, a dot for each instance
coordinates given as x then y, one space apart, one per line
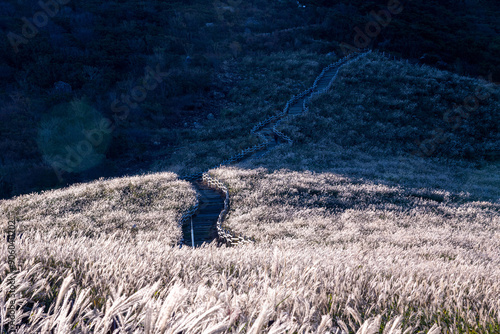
408 112
101 53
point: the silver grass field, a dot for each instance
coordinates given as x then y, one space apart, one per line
351 237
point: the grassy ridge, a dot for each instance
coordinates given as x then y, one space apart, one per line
334 209
150 204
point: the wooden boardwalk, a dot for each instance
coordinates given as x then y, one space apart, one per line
204 220
211 203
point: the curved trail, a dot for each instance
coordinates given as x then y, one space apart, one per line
203 223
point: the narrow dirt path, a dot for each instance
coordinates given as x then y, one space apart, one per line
202 224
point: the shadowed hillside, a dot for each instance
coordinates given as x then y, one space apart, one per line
192 54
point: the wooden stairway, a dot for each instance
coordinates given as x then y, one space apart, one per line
297 107
211 203
268 133
326 79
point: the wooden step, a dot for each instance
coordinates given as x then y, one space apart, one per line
296 106
203 234
210 205
210 197
206 220
216 209
209 192
295 111
203 223
267 133
323 82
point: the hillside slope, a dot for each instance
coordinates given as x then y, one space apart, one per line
392 106
349 236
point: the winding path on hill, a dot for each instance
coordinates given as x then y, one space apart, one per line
203 223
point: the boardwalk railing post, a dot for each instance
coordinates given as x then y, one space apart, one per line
192 232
